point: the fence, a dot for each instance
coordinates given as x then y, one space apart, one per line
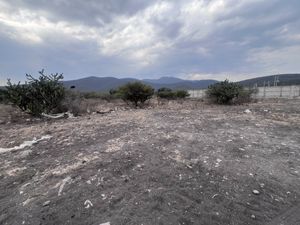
262 92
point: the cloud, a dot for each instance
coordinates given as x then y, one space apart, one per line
186 38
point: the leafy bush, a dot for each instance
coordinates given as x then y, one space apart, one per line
226 92
135 92
98 95
3 95
181 94
244 96
166 93
37 95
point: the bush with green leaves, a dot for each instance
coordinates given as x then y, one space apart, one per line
3 95
37 95
168 93
226 92
181 94
135 92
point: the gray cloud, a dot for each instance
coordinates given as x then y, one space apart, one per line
188 38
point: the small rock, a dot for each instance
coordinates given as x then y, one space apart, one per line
46 203
253 216
107 223
256 192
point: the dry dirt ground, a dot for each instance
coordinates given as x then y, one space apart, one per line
188 163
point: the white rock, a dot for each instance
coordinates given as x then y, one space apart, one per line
107 223
256 192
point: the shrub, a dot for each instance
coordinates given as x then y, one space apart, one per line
135 92
244 96
166 93
112 91
3 95
181 94
37 95
226 92
98 95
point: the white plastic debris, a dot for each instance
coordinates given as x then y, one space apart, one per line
58 116
46 203
247 111
88 204
62 184
25 144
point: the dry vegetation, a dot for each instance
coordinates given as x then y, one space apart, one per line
170 163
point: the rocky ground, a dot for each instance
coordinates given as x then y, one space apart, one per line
187 163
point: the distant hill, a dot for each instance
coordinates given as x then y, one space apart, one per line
104 84
97 83
164 80
284 79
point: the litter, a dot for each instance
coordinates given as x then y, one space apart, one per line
25 144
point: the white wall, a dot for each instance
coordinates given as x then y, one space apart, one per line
263 92
278 92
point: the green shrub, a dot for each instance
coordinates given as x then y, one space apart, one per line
226 92
37 96
181 94
112 91
3 95
166 93
135 92
244 96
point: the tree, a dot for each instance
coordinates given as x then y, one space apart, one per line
37 96
135 92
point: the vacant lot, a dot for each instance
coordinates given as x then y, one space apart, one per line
188 163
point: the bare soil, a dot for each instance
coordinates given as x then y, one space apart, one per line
177 163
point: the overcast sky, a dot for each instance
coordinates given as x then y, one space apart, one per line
191 39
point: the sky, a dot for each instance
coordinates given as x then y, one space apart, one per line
189 39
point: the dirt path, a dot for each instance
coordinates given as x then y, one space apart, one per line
176 164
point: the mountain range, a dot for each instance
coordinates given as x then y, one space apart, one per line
104 84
